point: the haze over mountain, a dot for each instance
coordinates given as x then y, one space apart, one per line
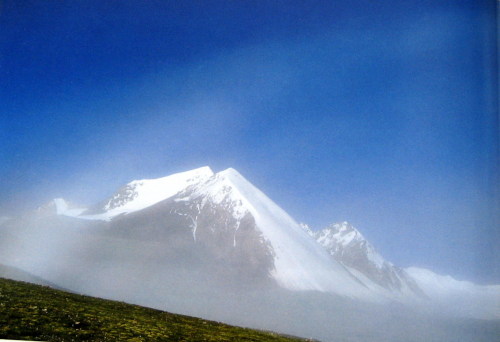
381 114
374 123
214 246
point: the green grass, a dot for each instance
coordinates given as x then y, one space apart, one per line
34 312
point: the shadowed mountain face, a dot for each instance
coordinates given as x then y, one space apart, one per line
205 234
127 259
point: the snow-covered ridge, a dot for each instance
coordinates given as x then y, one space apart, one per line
140 194
446 285
460 297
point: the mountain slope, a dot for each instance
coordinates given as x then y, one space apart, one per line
35 312
137 195
298 262
414 286
226 213
349 247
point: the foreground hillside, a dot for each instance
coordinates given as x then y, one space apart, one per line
29 311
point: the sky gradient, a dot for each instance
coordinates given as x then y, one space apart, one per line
384 115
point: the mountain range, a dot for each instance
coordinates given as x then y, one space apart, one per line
197 242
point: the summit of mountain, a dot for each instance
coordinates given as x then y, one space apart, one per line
350 248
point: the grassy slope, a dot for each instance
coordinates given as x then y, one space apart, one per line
29 311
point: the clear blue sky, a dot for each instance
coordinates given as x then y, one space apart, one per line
379 113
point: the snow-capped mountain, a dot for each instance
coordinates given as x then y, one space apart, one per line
213 245
226 205
349 247
138 195
221 227
299 263
413 285
225 213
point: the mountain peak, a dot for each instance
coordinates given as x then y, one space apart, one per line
338 235
204 171
230 172
299 262
348 246
233 176
343 239
140 194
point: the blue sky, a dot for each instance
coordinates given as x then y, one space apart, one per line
380 114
